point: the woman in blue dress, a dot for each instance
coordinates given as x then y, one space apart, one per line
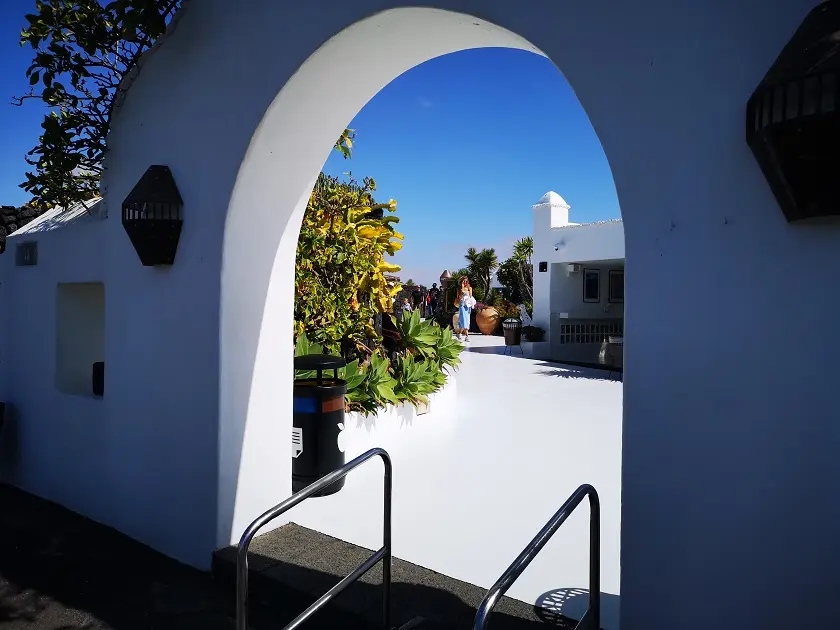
465 303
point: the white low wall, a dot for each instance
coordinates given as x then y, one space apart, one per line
503 445
412 441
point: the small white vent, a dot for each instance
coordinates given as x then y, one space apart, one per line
573 268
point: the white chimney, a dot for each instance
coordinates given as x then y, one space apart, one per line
550 211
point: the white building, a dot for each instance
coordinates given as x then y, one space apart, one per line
578 281
728 460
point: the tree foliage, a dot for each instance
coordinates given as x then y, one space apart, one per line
340 266
480 268
83 50
517 272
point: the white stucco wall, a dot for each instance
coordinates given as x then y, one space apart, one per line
55 444
723 458
566 294
556 241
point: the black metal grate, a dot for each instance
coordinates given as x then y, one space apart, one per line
793 119
152 217
589 332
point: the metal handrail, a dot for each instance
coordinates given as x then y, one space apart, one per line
592 618
383 554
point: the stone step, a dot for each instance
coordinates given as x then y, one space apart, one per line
292 566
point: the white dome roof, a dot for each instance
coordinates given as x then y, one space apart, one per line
551 198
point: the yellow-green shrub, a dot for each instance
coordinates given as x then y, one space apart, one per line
340 266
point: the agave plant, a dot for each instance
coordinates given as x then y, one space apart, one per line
419 338
448 350
418 370
416 380
305 347
376 389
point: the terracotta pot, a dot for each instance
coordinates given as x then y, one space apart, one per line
488 320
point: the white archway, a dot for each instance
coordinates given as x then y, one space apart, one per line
288 149
699 223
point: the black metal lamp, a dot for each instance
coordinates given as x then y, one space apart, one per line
793 119
152 216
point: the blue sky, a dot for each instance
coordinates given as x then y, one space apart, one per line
465 143
20 126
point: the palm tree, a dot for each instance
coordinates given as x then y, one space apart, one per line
517 272
481 265
523 249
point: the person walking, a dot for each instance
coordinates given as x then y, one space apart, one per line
434 295
465 303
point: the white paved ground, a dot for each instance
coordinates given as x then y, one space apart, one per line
477 477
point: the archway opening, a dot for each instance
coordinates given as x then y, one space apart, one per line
272 188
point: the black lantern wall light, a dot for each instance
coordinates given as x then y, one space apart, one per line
152 217
793 119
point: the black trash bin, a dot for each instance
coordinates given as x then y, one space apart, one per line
513 331
318 412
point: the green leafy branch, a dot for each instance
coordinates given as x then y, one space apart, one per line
83 50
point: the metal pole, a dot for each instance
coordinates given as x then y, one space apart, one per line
522 561
242 579
595 559
292 501
386 545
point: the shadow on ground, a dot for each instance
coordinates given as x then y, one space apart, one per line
61 571
510 351
571 371
298 563
554 607
561 370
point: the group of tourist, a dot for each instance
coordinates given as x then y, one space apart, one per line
428 305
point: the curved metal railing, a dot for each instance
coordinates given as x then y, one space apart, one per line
383 554
592 619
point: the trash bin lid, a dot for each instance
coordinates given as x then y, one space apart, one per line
318 362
